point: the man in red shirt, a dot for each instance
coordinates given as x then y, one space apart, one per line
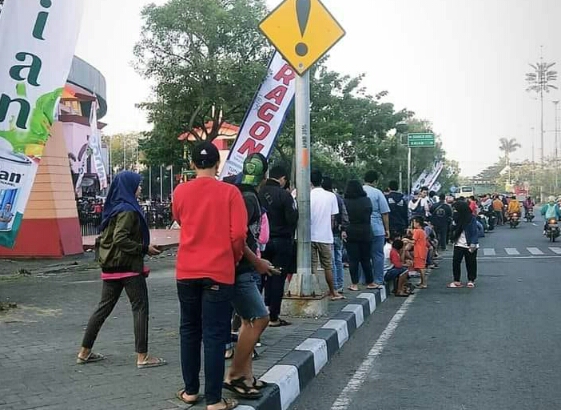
213 223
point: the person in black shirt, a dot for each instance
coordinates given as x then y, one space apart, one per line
399 216
359 233
283 218
441 217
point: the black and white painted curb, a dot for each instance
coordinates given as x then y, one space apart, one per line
298 368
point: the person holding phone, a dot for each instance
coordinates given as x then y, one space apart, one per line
120 251
466 243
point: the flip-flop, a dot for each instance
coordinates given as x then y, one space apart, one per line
230 404
92 358
471 285
180 394
354 290
340 297
147 365
452 285
374 287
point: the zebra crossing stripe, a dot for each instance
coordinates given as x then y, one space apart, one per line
556 250
535 251
512 251
489 252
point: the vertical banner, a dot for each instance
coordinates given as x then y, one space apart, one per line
263 121
95 146
428 178
37 42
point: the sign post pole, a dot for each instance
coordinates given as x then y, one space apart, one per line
302 117
303 31
409 171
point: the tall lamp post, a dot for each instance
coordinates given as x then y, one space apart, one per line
556 162
539 81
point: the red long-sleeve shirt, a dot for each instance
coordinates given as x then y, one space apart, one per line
213 223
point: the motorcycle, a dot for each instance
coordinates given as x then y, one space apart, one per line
514 220
484 220
552 231
529 215
491 219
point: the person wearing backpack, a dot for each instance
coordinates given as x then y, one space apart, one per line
441 215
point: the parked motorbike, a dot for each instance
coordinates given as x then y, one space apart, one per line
552 231
529 215
514 220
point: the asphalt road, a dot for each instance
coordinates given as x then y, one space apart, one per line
490 348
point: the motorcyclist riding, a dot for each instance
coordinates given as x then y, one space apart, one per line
529 204
513 206
549 211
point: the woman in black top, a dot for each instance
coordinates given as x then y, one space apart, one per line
359 233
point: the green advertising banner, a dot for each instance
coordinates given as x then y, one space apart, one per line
37 43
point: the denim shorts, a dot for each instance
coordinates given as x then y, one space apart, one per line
248 302
394 273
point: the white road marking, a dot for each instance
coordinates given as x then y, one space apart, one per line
535 251
512 251
489 252
357 380
556 250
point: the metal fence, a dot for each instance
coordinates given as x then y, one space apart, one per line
89 223
158 216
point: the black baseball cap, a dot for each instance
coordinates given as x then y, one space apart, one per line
205 155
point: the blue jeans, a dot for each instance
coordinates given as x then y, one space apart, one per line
377 256
337 262
205 314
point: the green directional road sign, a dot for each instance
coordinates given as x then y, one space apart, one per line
424 140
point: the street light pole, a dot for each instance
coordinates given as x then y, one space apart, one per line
556 103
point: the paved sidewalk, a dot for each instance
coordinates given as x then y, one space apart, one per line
40 338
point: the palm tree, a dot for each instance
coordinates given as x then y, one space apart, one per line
509 146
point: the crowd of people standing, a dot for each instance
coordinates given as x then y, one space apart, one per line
237 250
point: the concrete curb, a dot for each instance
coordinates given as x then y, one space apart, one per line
298 368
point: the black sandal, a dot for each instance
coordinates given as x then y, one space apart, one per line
282 322
239 388
259 384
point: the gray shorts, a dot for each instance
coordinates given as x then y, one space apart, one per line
248 302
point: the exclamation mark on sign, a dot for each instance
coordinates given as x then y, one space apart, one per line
303 8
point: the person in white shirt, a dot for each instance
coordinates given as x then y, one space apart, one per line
324 207
420 205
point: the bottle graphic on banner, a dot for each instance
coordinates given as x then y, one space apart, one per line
37 42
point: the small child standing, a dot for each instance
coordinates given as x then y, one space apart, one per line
420 250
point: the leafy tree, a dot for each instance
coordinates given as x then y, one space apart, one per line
206 58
